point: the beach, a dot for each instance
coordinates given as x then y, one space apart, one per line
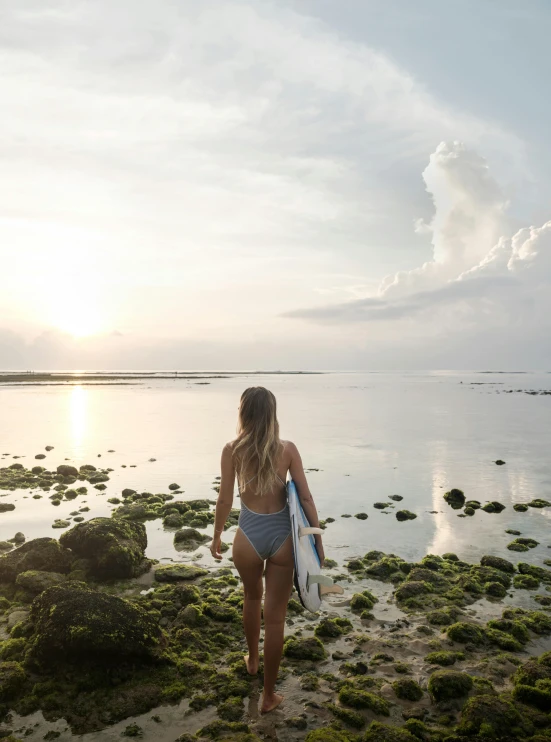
123 470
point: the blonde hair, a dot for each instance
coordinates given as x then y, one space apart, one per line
257 446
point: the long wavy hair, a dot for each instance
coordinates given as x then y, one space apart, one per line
257 446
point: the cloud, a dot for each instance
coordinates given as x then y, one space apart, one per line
478 279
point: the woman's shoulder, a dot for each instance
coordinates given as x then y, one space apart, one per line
289 447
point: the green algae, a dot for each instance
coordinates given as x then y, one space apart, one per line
309 648
444 658
361 699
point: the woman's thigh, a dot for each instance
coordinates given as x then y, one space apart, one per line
279 582
249 565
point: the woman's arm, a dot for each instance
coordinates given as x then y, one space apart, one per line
304 495
225 499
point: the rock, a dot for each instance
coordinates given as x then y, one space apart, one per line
498 563
495 589
189 539
127 492
396 498
175 572
73 623
61 523
465 633
5 546
361 516
6 507
445 685
12 679
412 589
500 462
48 448
520 507
114 547
361 699
526 582
407 689
402 515
35 581
493 507
514 546
455 498
88 467
512 532
539 503
444 658
68 471
381 505
44 554
503 640
173 486
490 716
310 648
377 732
40 456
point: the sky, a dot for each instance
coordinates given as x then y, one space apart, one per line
300 184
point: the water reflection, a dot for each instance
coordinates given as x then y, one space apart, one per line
78 403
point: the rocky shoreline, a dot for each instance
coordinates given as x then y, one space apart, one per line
96 637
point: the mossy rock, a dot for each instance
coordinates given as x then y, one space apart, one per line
362 602
377 732
232 709
384 567
327 735
498 563
361 699
403 515
490 716
514 546
13 649
538 572
6 507
503 640
12 679
412 589
445 685
331 628
309 648
509 626
495 590
407 689
177 572
465 633
347 716
73 623
355 565
526 582
493 507
473 504
455 498
189 539
361 516
539 502
444 658
44 554
538 696
519 507
35 581
70 471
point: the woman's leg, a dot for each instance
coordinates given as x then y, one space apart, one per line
250 567
279 583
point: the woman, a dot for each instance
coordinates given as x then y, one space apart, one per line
262 544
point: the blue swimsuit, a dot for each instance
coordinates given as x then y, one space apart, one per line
266 532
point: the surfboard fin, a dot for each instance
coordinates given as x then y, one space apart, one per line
319 580
334 589
309 531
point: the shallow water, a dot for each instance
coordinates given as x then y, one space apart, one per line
370 435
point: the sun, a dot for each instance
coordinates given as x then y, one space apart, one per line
78 314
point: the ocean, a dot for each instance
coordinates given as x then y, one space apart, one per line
364 436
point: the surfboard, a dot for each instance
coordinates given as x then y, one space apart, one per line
309 582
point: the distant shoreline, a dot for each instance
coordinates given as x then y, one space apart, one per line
40 378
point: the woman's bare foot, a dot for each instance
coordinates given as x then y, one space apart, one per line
252 665
271 702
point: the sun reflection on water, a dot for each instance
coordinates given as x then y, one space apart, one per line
78 415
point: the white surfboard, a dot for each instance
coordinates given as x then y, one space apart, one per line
309 582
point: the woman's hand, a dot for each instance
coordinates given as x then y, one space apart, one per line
215 547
